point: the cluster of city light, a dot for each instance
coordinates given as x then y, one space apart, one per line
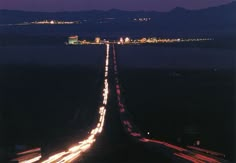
133 131
141 19
155 40
76 150
125 40
74 40
137 41
52 22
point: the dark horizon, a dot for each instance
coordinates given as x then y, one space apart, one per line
152 6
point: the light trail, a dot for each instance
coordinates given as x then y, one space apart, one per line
205 158
189 158
35 159
206 151
133 131
77 149
28 157
29 151
74 152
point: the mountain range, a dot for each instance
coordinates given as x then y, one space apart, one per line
219 19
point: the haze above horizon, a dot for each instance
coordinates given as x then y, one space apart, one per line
131 5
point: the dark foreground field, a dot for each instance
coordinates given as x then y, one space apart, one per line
182 94
182 106
42 106
50 96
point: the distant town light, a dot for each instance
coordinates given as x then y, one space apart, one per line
121 40
72 40
143 40
97 40
127 40
198 142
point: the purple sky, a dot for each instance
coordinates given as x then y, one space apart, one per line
77 5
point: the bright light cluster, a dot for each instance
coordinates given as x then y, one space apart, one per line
106 90
54 22
155 40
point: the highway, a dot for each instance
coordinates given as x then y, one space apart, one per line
178 154
76 150
115 135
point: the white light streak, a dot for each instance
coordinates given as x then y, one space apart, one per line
76 150
32 160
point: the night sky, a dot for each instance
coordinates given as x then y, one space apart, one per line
77 5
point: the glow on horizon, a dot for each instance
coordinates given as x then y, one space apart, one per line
71 5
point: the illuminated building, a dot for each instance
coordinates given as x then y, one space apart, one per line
143 40
72 40
97 40
121 40
127 40
152 40
52 22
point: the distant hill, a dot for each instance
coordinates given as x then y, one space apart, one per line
221 18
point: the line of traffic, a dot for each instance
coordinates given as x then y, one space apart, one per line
170 149
76 150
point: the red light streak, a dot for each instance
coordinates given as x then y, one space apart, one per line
122 110
135 134
186 157
205 158
154 141
143 140
118 91
127 123
175 147
206 151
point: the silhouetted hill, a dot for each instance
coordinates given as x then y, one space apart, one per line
218 19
